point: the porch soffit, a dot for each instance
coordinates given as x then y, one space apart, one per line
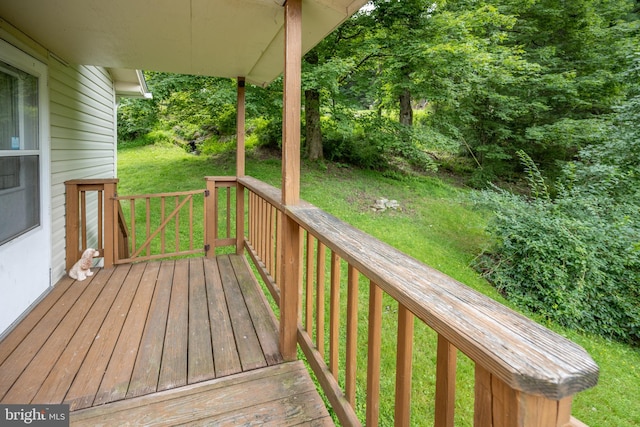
224 38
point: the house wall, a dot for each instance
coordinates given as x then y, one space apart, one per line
82 133
83 140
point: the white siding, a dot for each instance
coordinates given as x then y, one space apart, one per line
83 138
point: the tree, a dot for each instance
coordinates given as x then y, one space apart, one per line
313 133
575 257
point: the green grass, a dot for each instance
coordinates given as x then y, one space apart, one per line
437 225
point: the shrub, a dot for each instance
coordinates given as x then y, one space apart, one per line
574 259
374 142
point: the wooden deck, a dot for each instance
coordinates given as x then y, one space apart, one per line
192 339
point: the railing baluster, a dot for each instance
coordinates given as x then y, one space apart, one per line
320 277
352 334
253 237
163 232
279 222
83 217
271 240
190 222
228 212
300 271
309 286
132 216
445 383
177 219
404 366
263 229
148 219
334 319
259 228
373 355
100 219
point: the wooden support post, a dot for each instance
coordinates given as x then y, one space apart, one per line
210 218
240 128
498 405
240 219
110 224
291 102
289 289
240 164
71 223
290 269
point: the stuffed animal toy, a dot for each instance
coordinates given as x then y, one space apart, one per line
82 268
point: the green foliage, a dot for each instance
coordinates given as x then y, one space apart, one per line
437 227
569 260
374 142
136 117
574 259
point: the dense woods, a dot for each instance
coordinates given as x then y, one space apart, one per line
538 94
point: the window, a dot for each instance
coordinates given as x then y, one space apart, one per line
19 153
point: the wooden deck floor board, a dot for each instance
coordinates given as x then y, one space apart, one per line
25 327
200 351
147 368
64 371
173 368
115 382
225 354
29 382
21 356
87 382
279 395
251 356
263 321
198 328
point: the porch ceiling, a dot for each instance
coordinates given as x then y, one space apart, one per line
225 38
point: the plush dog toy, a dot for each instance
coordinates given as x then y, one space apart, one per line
82 268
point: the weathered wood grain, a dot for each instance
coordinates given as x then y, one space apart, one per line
27 384
87 381
107 346
279 395
115 382
264 322
22 355
251 356
200 352
64 371
173 367
13 339
225 354
147 368
524 354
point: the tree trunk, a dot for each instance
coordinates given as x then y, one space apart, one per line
313 133
312 117
406 113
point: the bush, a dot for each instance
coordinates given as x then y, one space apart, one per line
574 259
374 142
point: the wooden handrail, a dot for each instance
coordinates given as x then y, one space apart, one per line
530 369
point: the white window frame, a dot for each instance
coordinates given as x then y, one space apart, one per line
16 58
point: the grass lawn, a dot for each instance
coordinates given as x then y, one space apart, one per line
435 224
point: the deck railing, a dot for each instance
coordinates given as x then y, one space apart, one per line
89 220
148 226
351 286
525 375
